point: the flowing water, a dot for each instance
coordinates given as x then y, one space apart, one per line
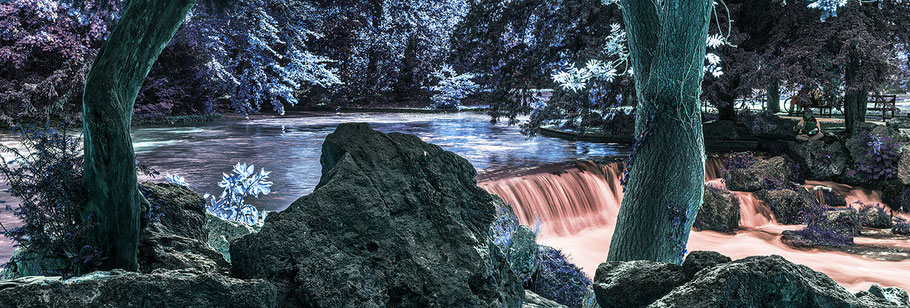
578 208
290 147
576 203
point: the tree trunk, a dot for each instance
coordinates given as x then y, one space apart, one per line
855 99
773 90
666 179
111 87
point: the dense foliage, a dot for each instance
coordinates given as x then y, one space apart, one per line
243 182
45 176
558 279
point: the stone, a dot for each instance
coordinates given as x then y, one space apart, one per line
522 254
699 260
222 232
532 300
827 196
788 205
175 210
124 289
818 160
903 166
764 174
725 130
843 221
875 217
719 212
635 283
765 281
174 235
394 221
877 296
25 263
770 126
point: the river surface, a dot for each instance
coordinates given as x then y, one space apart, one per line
290 146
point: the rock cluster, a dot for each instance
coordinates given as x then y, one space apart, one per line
763 174
394 221
787 204
708 279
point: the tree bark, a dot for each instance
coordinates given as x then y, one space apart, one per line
111 87
855 99
666 179
773 91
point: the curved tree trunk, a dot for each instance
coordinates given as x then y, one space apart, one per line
666 180
110 91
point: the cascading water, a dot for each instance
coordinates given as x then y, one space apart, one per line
578 205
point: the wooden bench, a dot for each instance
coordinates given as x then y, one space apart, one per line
825 106
883 103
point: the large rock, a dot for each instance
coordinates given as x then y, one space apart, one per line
174 235
121 289
875 216
394 221
769 126
26 263
223 231
788 205
764 174
903 166
843 221
877 296
719 212
725 130
635 283
697 261
522 253
817 159
767 281
532 300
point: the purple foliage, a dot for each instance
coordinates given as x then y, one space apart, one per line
677 236
45 50
882 154
739 161
650 129
46 177
824 232
901 227
558 279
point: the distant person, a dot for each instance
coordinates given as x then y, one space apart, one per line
808 127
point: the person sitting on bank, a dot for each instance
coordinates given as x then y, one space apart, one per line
808 127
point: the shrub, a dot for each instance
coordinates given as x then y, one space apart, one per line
558 279
739 161
243 182
46 177
874 215
901 227
821 231
882 154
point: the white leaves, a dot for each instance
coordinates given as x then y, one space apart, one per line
716 40
828 6
243 182
576 79
176 179
713 59
713 67
452 87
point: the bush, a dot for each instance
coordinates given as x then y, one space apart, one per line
46 177
739 161
243 182
452 88
882 154
822 231
901 227
558 279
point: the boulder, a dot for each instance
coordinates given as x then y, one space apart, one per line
394 221
764 174
769 126
522 253
903 166
123 289
817 159
558 279
719 212
875 217
173 235
827 196
843 221
699 260
222 232
877 296
25 263
788 205
635 283
725 130
765 281
532 300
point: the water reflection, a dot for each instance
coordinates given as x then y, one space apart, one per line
290 147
